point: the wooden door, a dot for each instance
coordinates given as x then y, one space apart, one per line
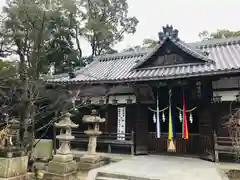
141 130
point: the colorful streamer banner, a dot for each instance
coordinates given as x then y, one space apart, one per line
158 134
184 124
171 125
156 119
158 128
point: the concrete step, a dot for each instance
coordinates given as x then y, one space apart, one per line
107 178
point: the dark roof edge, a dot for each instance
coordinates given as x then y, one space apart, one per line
197 53
211 73
148 55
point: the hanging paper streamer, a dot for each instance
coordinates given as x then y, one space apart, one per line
171 125
187 111
180 116
163 117
154 118
191 118
184 125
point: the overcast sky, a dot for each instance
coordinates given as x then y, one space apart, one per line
188 16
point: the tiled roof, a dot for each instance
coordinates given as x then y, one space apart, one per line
193 51
223 57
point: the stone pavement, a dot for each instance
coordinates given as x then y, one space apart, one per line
112 156
228 166
162 168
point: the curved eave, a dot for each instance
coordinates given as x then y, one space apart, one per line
138 79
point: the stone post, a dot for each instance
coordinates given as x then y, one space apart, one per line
12 161
91 159
63 167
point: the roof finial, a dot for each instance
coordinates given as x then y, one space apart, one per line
168 31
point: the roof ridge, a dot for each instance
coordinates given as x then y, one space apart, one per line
198 45
115 56
216 42
173 66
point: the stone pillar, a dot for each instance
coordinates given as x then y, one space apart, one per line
63 167
13 163
91 159
92 145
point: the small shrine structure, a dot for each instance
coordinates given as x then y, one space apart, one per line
175 92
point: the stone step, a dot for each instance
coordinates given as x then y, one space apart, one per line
107 178
112 176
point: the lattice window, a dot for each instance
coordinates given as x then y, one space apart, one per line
168 59
121 123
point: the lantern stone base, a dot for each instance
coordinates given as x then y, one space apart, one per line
63 158
54 176
13 168
21 177
90 161
62 167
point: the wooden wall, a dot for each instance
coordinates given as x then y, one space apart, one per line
111 124
189 146
137 119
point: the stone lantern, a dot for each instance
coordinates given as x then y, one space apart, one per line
63 166
93 131
91 159
65 137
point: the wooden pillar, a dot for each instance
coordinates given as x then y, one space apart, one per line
106 117
205 120
54 140
107 88
144 97
141 129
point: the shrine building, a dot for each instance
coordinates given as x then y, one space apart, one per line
172 98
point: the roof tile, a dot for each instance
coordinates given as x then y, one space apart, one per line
225 54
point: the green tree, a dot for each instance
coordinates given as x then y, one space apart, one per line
65 31
134 48
107 22
150 43
221 33
40 34
8 75
8 68
147 43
